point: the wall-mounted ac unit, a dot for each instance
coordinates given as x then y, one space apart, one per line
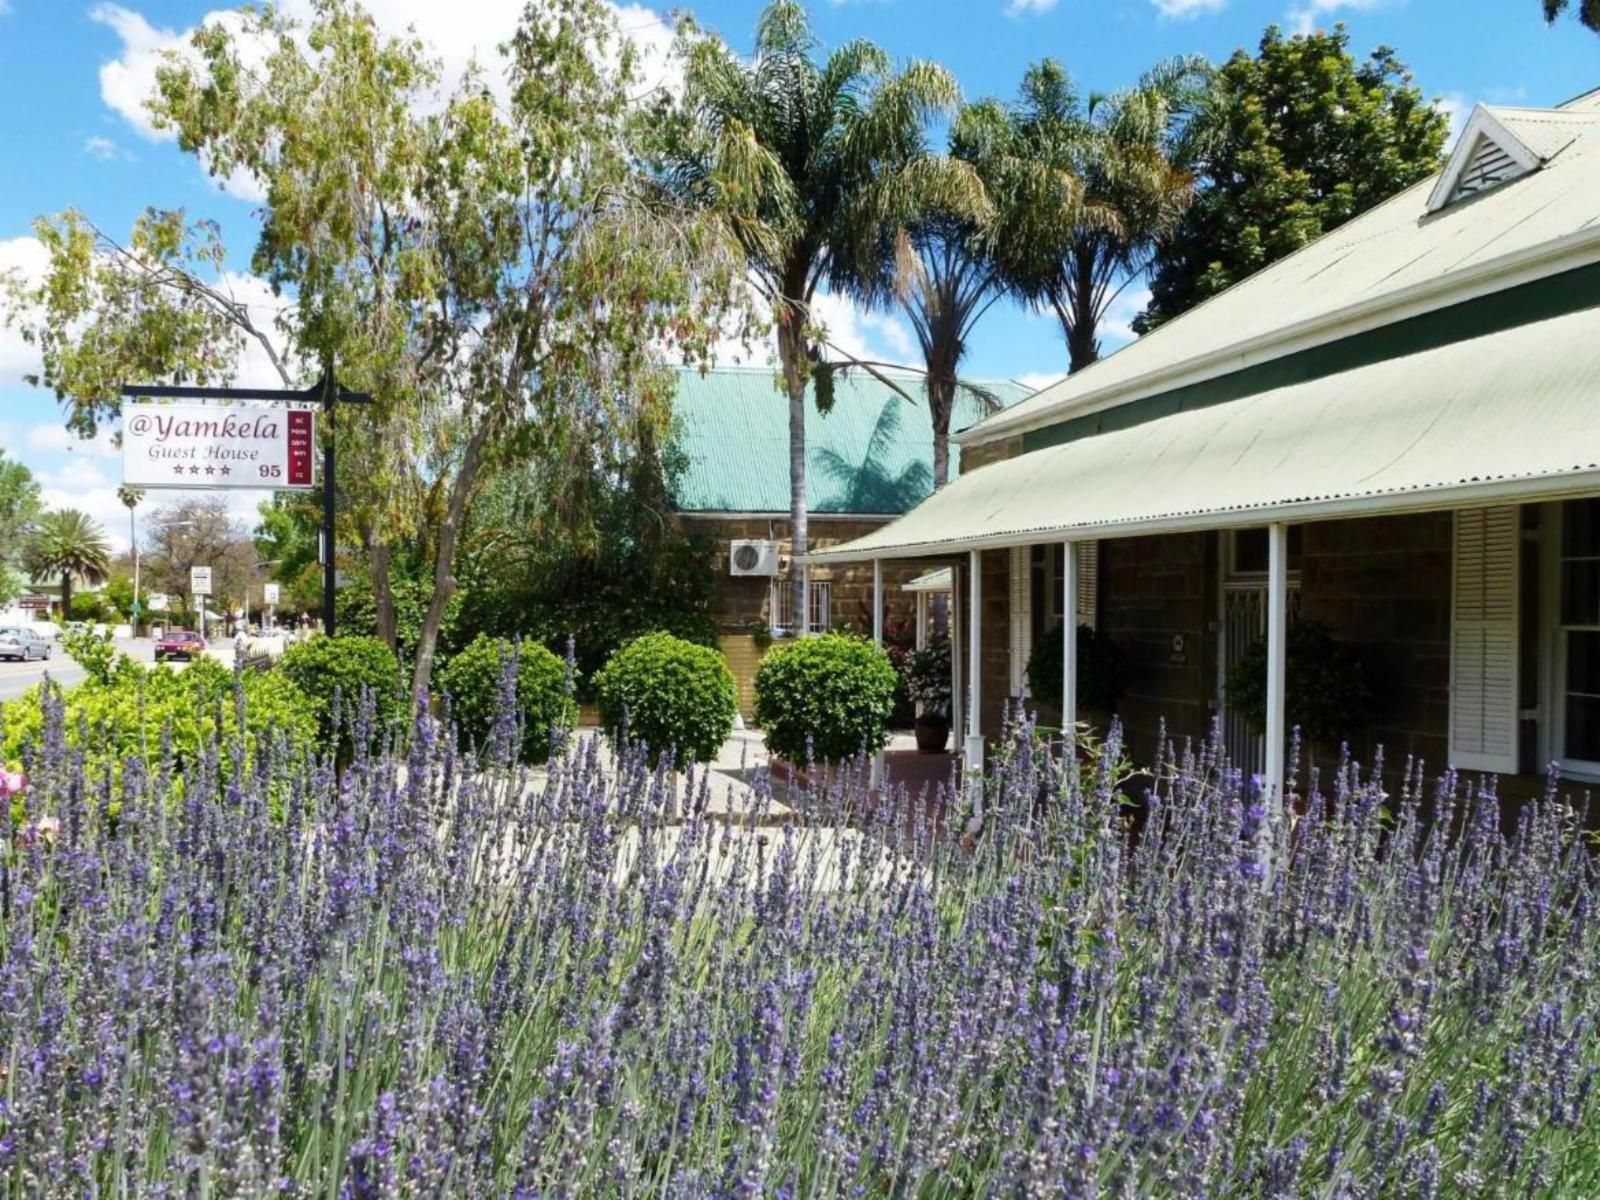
748 556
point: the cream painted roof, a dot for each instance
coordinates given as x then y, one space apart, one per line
1392 253
1511 415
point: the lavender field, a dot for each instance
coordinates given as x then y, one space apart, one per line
430 975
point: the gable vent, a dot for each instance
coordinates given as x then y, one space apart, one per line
1488 166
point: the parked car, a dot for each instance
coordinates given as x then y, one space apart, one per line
20 643
180 643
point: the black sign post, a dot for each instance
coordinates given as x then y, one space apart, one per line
326 391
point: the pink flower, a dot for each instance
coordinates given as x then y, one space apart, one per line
12 783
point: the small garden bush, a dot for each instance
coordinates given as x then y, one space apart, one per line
350 666
475 678
1102 670
825 698
131 710
1325 692
671 695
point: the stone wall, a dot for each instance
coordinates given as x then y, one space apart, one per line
973 457
1383 584
1158 602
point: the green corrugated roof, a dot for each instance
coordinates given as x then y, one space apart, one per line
871 453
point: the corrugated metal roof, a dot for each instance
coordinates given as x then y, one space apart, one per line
871 453
1505 416
1545 131
1389 251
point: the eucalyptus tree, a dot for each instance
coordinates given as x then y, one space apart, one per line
810 161
492 264
1131 153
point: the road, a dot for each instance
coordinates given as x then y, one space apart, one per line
16 678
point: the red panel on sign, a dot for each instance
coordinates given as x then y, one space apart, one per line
301 440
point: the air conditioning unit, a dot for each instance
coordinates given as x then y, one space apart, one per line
750 557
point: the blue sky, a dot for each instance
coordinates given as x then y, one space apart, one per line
72 74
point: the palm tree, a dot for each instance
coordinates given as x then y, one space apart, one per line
810 163
1131 152
72 545
948 273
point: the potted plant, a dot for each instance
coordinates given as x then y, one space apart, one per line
927 676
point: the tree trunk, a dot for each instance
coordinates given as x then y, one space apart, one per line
941 407
791 353
444 582
383 595
66 595
1082 329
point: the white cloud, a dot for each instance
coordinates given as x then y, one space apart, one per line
1179 9
862 333
1116 328
1456 107
92 489
102 148
1035 380
27 257
1307 16
1018 8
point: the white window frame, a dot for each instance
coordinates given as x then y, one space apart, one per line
821 603
1552 644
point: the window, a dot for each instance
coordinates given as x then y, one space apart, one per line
1248 551
1575 659
783 606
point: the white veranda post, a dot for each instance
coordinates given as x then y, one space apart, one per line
1069 641
877 637
974 747
1277 651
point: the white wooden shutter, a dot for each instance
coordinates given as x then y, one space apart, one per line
1021 617
1088 607
1483 641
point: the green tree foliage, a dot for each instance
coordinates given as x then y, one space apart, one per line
1588 12
669 694
1092 183
19 507
1303 138
825 698
811 162
69 544
597 556
349 668
494 266
475 678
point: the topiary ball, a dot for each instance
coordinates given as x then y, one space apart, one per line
672 695
473 680
349 666
833 694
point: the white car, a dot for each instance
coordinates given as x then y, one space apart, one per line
21 644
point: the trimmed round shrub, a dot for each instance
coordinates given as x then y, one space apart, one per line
1326 693
834 693
673 695
473 679
349 666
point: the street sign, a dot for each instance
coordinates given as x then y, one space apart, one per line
269 595
200 581
217 446
35 603
157 601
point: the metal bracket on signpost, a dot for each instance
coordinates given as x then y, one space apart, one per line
325 391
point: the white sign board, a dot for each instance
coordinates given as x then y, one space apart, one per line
200 581
217 445
157 601
269 594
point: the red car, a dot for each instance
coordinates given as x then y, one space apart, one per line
180 643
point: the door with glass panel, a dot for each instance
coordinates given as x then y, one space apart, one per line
1242 623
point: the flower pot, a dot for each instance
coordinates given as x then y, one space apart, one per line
933 733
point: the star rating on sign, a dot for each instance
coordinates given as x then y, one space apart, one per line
194 470
211 470
227 470
177 470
